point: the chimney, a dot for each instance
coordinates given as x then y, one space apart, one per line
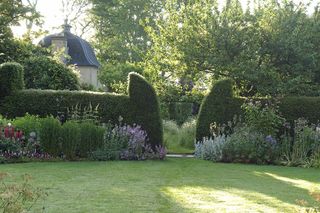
60 43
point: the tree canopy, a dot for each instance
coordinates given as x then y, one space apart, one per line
269 48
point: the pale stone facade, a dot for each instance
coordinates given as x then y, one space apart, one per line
89 75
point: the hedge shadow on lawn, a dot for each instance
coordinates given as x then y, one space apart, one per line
245 185
142 184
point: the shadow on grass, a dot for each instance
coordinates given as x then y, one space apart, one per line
230 187
174 185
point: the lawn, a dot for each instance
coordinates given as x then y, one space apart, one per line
174 185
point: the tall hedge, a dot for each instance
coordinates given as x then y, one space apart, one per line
293 108
218 106
146 107
52 102
11 78
140 107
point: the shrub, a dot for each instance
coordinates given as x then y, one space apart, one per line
293 108
70 139
262 118
145 105
115 141
219 106
50 140
28 124
44 73
137 147
127 143
91 138
11 78
83 114
210 149
302 148
249 146
50 102
170 126
141 107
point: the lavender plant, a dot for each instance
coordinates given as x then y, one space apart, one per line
127 143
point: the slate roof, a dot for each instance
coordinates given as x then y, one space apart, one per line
80 51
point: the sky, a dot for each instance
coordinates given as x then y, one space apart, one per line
53 17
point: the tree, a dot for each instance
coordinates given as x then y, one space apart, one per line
120 35
271 48
11 12
121 40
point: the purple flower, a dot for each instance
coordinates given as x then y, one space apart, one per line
271 140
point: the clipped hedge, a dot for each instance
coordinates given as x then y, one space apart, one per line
11 78
146 106
52 102
221 106
218 106
140 107
293 108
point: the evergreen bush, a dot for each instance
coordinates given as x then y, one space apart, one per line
220 106
145 105
11 78
41 72
50 132
91 138
70 139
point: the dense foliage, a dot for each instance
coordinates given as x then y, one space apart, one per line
73 140
45 73
269 47
140 107
180 111
263 140
114 76
219 106
11 78
145 104
53 102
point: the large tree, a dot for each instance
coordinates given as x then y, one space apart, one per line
121 39
11 12
271 47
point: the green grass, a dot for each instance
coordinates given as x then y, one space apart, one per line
173 145
179 140
174 185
